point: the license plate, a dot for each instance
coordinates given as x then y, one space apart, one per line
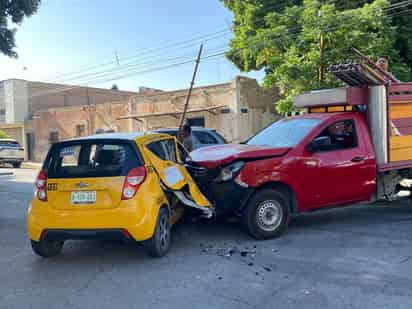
83 197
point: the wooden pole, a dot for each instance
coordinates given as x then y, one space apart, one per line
190 89
322 55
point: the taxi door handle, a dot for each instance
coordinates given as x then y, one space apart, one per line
358 159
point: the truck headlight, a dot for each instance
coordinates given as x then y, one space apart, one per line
229 172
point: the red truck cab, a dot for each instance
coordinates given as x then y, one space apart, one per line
295 165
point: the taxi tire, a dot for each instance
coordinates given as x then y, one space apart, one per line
159 244
47 248
253 213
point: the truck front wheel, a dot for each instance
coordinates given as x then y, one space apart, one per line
266 214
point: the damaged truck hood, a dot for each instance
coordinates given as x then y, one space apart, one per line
212 157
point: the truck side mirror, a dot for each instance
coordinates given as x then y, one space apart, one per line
320 143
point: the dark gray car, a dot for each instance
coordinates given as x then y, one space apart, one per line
202 137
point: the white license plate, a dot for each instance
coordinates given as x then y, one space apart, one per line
83 197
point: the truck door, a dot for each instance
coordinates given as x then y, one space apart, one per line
341 170
165 159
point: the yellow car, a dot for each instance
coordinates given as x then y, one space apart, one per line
130 186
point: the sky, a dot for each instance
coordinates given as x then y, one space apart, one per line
130 43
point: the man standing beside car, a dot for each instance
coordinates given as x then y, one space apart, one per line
186 138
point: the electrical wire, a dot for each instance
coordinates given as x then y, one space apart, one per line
133 72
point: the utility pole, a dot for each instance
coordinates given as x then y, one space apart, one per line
322 56
322 53
89 109
190 89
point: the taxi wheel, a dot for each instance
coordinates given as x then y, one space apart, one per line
267 214
159 244
47 248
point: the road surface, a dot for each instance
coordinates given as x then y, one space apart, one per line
356 257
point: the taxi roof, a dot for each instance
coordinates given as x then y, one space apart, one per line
125 136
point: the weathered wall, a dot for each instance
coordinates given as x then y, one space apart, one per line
65 120
44 96
173 101
245 109
15 101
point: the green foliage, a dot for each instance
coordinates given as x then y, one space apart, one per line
3 134
284 106
114 87
13 11
284 39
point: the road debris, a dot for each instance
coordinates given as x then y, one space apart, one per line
245 253
406 259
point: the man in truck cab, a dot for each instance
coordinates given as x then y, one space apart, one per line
340 135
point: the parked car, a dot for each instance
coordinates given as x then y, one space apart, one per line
11 152
202 137
117 185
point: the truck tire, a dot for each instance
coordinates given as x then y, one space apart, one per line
267 214
47 248
159 244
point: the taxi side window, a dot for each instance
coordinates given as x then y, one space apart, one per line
164 149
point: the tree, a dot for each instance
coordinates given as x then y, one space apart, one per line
295 41
114 87
13 11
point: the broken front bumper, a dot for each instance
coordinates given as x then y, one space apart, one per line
229 197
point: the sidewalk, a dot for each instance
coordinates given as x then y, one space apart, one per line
31 165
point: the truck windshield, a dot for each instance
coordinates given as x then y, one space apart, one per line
284 133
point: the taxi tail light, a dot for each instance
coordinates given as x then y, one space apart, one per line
41 186
134 179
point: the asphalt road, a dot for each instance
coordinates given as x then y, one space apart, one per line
356 257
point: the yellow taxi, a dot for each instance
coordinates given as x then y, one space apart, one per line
131 186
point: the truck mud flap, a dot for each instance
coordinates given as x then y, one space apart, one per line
208 212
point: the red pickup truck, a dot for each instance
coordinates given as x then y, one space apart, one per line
308 162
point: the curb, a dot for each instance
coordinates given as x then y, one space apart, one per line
31 165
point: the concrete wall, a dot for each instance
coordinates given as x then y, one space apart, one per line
44 96
173 101
247 109
21 99
15 101
65 120
251 108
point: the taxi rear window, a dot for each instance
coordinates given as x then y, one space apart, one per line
85 160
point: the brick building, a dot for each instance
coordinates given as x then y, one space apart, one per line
236 110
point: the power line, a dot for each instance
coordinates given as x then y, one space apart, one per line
203 38
130 65
271 36
134 72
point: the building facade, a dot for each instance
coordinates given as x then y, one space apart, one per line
237 110
20 100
